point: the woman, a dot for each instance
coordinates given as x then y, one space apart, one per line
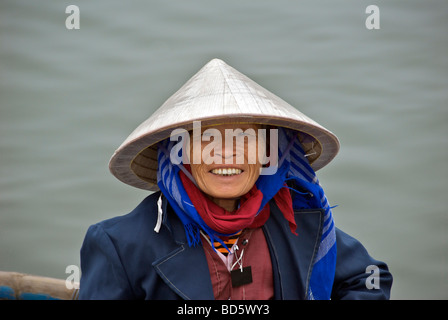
240 213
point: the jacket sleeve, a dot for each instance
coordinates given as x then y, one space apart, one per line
103 276
359 276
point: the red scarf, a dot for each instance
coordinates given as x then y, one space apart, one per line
245 216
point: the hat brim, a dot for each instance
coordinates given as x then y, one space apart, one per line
135 163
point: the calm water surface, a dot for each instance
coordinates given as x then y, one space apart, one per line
68 98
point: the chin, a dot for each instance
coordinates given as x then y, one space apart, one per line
226 194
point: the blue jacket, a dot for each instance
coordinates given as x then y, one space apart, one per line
124 258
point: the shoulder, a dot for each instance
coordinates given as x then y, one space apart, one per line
117 253
129 234
353 271
141 219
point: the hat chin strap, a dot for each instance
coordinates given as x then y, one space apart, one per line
159 214
286 151
187 173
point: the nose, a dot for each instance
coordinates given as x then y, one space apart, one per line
227 151
231 151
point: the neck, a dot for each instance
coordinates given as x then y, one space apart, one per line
229 205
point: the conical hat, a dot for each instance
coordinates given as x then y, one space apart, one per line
216 94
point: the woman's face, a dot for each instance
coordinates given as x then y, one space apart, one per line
226 173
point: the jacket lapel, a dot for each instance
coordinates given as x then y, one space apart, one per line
293 256
185 268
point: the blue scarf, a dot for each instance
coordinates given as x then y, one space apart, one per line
294 166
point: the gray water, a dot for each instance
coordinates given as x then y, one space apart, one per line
68 98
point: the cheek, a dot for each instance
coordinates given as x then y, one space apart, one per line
253 172
202 177
197 172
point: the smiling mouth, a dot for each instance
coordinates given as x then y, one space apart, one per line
226 172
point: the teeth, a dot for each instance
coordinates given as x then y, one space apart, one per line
227 171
